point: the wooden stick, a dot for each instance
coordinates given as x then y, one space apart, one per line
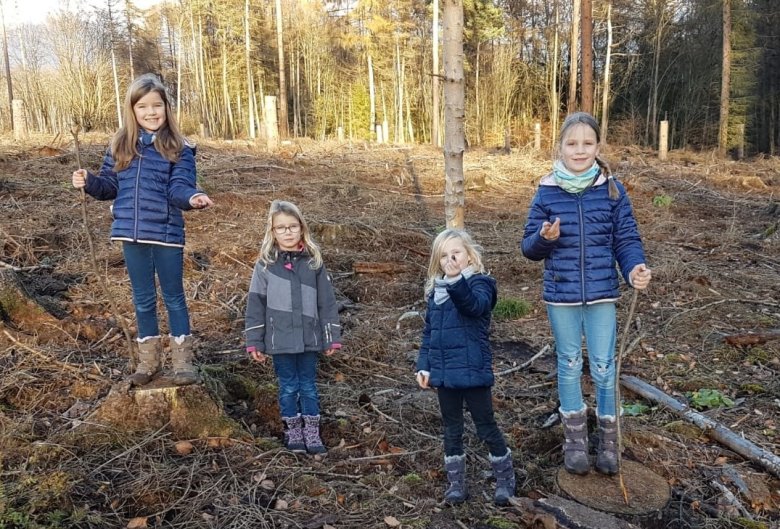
93 256
524 364
711 428
618 363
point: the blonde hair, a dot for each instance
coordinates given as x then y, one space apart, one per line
269 251
168 140
472 249
583 118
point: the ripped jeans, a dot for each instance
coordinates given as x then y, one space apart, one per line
598 323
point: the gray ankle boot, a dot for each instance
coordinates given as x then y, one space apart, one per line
311 435
182 355
575 445
455 466
149 352
607 458
504 473
293 434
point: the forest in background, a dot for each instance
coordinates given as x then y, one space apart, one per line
358 63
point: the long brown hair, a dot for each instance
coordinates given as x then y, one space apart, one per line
168 140
586 119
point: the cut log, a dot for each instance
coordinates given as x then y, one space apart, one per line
188 412
751 339
21 311
555 512
365 267
711 428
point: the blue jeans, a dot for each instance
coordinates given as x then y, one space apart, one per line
599 324
480 405
297 377
143 261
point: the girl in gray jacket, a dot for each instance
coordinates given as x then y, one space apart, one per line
291 316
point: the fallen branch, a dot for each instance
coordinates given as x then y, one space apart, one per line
712 428
524 364
751 339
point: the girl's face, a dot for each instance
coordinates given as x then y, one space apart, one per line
287 232
579 148
453 253
150 111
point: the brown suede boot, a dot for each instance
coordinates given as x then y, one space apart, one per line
149 352
182 355
575 445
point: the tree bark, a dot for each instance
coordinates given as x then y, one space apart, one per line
454 113
725 84
607 62
574 56
435 110
587 57
7 70
283 125
371 98
250 85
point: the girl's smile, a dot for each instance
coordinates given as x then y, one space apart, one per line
579 148
150 112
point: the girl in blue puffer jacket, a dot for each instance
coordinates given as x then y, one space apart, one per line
581 223
149 173
455 358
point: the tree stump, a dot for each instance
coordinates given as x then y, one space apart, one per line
187 412
554 512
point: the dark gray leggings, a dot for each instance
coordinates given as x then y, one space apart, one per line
480 405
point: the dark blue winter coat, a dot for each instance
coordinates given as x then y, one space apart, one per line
596 232
455 348
149 195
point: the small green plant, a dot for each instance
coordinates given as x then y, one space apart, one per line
511 309
634 409
662 201
413 479
708 398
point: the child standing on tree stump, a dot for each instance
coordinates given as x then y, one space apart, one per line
455 358
581 223
149 173
291 316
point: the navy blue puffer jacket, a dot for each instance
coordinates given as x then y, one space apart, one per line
149 195
596 232
455 348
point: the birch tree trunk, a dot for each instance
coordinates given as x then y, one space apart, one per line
435 134
607 63
129 38
587 57
250 85
371 98
9 82
725 83
574 56
554 98
113 65
283 125
454 113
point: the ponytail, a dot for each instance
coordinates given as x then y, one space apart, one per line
614 194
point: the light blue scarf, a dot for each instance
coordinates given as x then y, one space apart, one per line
572 183
440 294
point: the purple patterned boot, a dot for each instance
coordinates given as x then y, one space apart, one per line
311 434
293 434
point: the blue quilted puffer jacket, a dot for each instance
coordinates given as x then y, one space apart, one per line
149 195
455 348
596 232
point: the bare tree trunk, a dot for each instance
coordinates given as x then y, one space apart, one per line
478 128
587 56
116 88
250 85
554 102
129 38
454 113
283 125
725 84
573 58
435 134
231 130
203 91
371 98
607 63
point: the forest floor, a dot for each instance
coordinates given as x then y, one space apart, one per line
710 229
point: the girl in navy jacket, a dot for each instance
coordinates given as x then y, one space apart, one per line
581 224
455 358
149 173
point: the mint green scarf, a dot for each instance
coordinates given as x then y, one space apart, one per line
572 183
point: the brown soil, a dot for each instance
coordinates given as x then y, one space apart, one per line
710 230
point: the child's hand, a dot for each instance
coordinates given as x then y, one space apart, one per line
330 351
450 266
79 178
551 231
422 379
258 356
201 201
640 276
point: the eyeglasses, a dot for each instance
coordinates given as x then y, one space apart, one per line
292 228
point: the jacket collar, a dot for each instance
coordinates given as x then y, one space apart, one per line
146 138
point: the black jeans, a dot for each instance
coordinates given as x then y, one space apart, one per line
480 405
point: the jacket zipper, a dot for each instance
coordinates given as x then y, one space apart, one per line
137 183
582 247
273 330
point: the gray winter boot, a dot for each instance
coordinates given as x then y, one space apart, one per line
575 446
149 352
184 372
311 435
504 473
455 466
293 434
607 458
